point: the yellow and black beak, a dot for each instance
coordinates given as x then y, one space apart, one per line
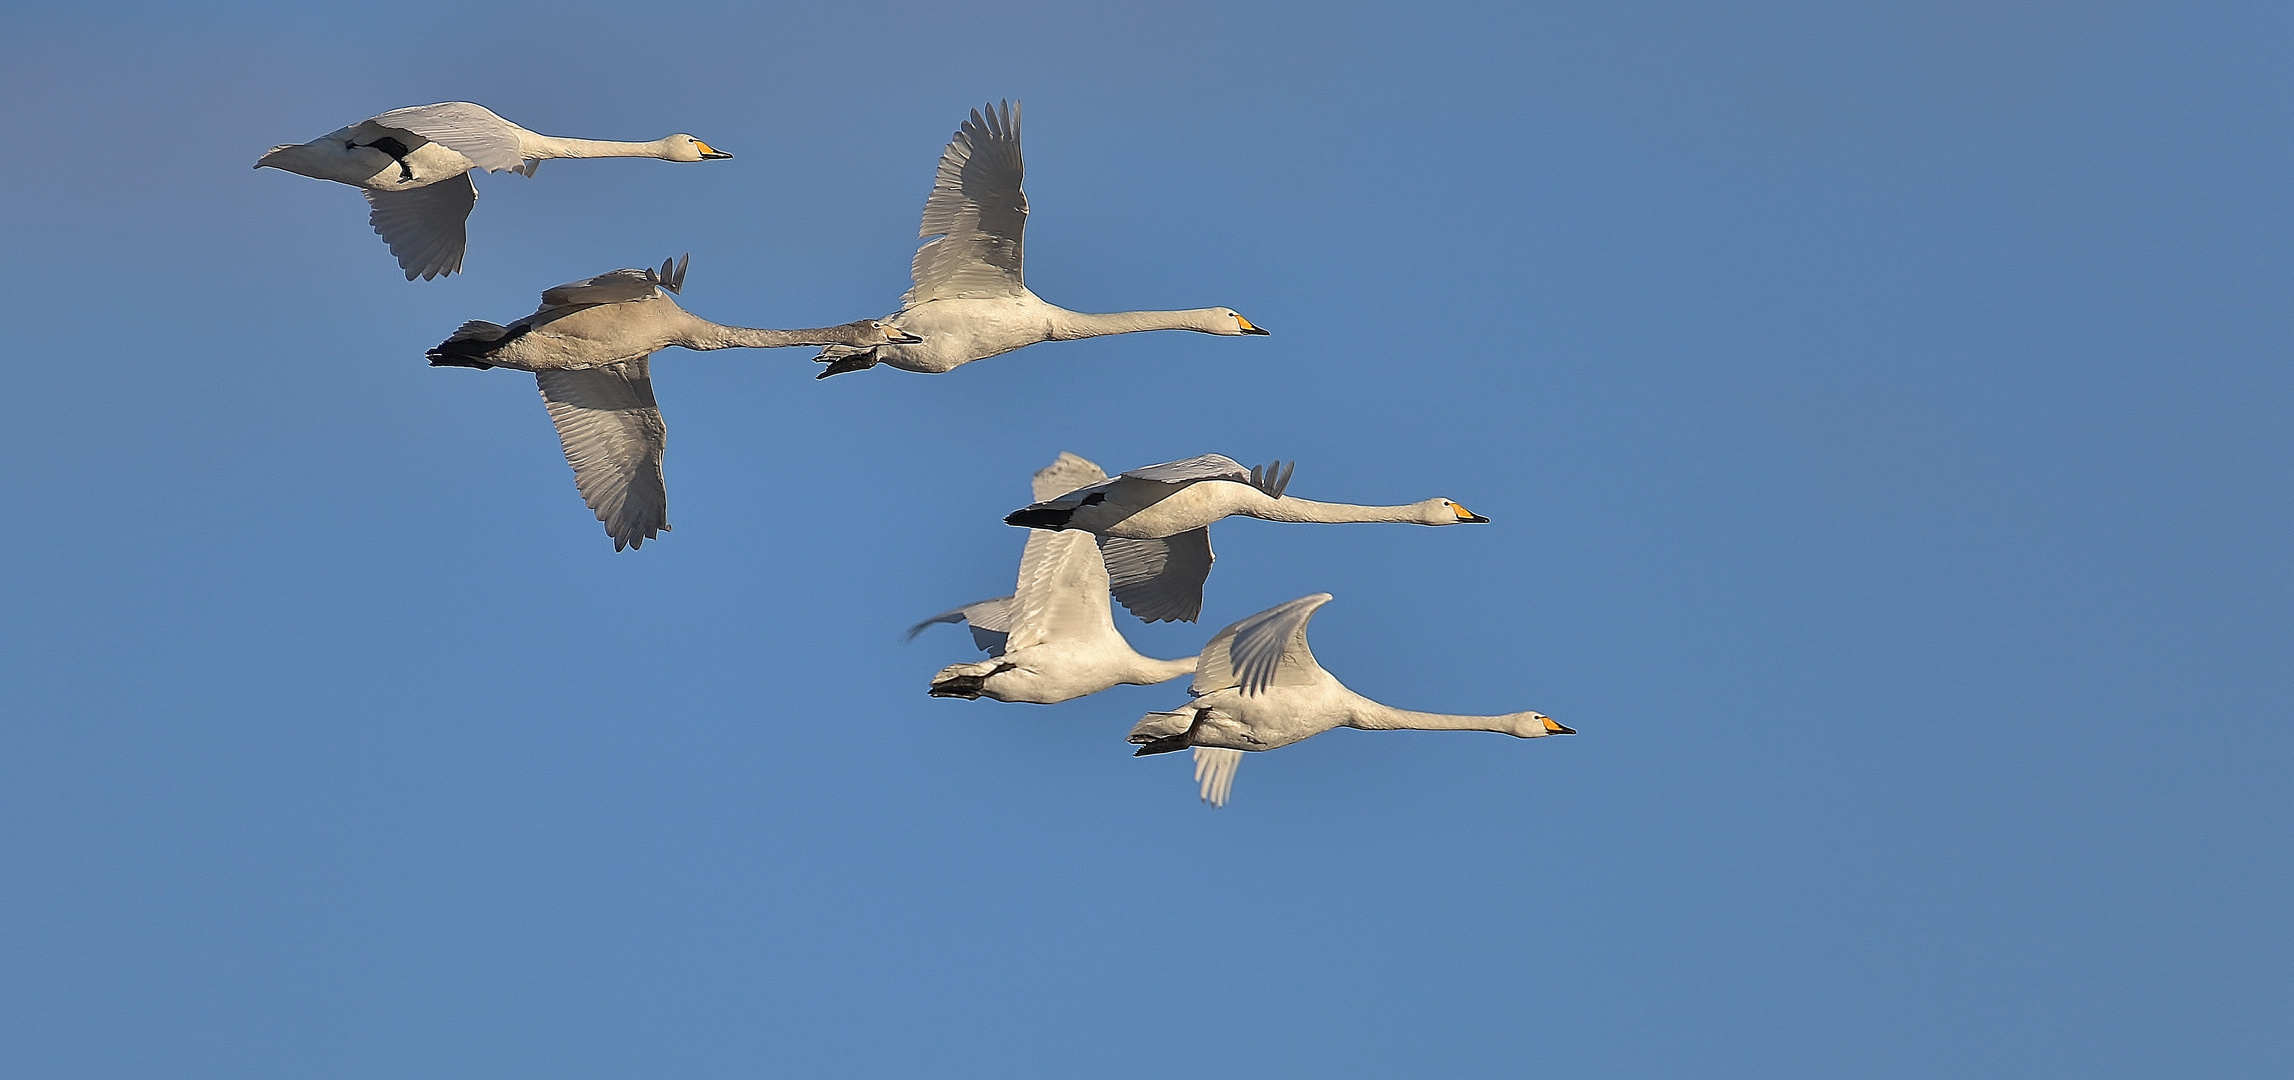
1248 328
1466 516
708 152
1553 728
903 337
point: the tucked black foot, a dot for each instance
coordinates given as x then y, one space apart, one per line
1033 518
438 359
854 362
968 687
1167 744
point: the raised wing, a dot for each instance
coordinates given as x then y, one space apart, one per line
619 286
1062 592
977 212
1159 580
1206 467
613 438
1263 650
425 226
1215 770
1066 473
990 622
472 131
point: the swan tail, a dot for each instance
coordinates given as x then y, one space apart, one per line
471 342
843 358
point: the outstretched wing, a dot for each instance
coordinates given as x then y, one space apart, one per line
977 212
613 438
425 226
1066 473
472 131
619 286
990 622
1159 580
1215 770
1262 650
1062 592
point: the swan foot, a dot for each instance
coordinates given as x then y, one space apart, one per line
856 361
968 687
1168 744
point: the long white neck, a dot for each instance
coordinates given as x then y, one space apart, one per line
1307 510
1370 716
704 335
532 145
1069 325
1147 671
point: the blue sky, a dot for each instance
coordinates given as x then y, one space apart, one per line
1881 411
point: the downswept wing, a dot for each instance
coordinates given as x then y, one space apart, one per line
1159 580
1262 650
989 620
1215 770
613 437
425 227
1062 591
468 129
977 212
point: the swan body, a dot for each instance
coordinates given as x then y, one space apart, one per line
1054 639
1257 687
413 165
589 347
1153 523
969 300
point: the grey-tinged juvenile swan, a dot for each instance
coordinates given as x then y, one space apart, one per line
969 300
588 346
1154 523
414 167
1257 687
1055 639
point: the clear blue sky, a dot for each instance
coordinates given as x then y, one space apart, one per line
1883 411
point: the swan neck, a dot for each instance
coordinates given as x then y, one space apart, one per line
1070 325
550 146
1307 510
1371 716
708 335
1148 671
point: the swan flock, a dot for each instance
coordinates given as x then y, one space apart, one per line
1140 539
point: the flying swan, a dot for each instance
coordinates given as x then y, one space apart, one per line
1257 687
1153 523
588 345
1054 639
969 301
413 165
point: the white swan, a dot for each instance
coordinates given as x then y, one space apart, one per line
1055 639
1154 523
969 301
414 167
587 346
1257 687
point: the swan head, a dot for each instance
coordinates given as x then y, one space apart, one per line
1535 725
683 147
1447 512
1227 322
878 332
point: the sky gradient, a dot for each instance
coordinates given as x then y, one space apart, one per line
1882 415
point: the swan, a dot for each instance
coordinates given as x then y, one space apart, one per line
587 346
1153 523
1257 687
1054 639
969 301
414 167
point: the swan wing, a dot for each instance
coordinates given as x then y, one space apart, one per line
977 213
1215 770
1262 650
989 620
1159 580
472 131
424 227
618 287
1206 467
613 438
1062 591
1066 473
